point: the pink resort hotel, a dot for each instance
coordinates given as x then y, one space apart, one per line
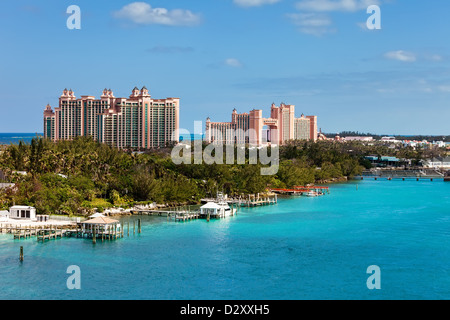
137 122
252 128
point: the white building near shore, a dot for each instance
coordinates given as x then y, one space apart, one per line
437 163
22 212
4 215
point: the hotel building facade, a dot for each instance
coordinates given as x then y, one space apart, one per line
138 122
254 129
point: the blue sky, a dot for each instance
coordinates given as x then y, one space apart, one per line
217 55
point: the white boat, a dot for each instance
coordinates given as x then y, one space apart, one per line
217 209
312 194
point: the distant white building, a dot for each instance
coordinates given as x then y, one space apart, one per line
438 163
440 144
409 143
22 212
6 185
390 139
366 139
4 215
23 173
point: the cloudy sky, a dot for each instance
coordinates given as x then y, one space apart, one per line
217 55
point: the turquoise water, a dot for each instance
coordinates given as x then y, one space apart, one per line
301 248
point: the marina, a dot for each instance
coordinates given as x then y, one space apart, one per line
317 249
222 207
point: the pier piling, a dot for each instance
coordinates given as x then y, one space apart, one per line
21 254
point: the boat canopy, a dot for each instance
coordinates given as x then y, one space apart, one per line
211 205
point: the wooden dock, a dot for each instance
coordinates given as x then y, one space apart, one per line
151 212
48 234
302 190
186 215
252 200
30 230
22 233
54 232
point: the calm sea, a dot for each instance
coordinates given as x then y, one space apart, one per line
301 248
8 138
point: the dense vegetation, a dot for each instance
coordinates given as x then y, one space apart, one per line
75 177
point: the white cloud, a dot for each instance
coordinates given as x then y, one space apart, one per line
444 88
401 55
232 62
312 23
314 18
434 57
335 5
143 13
310 20
406 56
254 3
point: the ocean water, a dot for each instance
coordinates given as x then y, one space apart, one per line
15 138
301 248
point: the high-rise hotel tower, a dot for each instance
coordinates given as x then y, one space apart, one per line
252 128
138 122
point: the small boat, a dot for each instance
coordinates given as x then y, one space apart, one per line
217 209
311 194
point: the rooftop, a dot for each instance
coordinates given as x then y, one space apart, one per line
101 220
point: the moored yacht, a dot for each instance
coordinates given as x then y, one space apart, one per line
217 209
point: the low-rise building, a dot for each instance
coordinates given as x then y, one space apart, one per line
385 161
439 162
390 139
22 212
364 139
